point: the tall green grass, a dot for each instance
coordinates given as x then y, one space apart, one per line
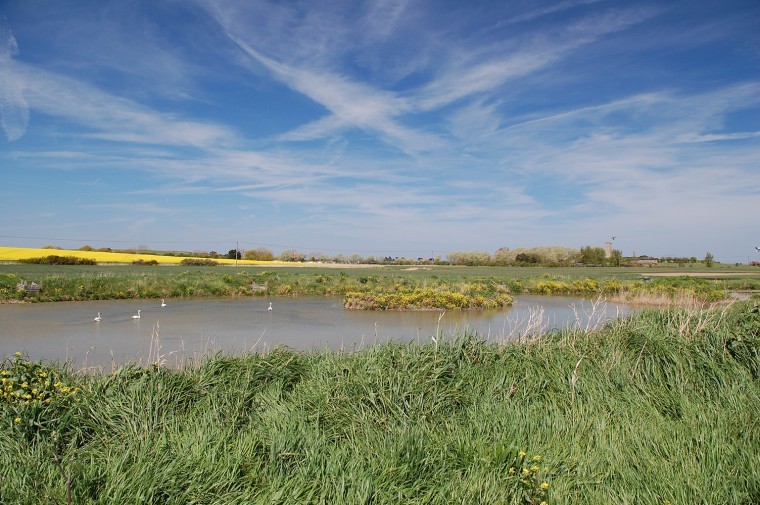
661 407
71 283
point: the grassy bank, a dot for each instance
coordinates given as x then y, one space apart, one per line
71 283
659 408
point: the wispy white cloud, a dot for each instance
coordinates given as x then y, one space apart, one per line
14 110
348 120
107 117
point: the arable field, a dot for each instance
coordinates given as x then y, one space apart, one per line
19 253
660 408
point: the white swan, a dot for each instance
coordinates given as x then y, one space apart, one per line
270 307
137 316
163 303
98 318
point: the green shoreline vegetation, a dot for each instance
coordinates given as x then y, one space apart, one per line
657 408
388 287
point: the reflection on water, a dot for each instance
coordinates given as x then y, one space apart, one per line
191 328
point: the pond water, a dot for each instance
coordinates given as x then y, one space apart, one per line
192 328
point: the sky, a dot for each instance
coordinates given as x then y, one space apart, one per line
401 128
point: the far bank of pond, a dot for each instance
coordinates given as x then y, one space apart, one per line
191 328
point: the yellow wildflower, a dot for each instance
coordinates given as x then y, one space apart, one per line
17 354
544 485
522 454
537 458
17 420
535 468
511 470
526 472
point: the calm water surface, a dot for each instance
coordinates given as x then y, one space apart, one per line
191 328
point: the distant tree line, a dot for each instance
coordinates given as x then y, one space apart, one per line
546 256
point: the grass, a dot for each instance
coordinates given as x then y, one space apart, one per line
60 283
659 408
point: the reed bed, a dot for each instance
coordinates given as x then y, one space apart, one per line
661 407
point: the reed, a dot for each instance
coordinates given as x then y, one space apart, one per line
655 408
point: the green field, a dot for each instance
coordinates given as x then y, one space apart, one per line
656 409
98 282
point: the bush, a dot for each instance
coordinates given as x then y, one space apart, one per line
143 262
59 260
198 262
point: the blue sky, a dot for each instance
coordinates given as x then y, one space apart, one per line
403 128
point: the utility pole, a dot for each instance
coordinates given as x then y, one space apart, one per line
237 251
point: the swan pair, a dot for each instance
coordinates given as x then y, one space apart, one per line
99 318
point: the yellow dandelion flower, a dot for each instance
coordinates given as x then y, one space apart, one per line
544 485
526 472
511 470
47 400
535 468
17 420
522 454
537 458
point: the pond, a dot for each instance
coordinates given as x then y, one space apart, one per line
189 329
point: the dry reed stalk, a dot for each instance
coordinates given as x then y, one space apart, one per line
574 378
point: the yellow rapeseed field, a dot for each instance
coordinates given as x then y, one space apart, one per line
18 253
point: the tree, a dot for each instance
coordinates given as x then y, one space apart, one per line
616 257
592 255
474 258
292 255
259 254
234 254
709 259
